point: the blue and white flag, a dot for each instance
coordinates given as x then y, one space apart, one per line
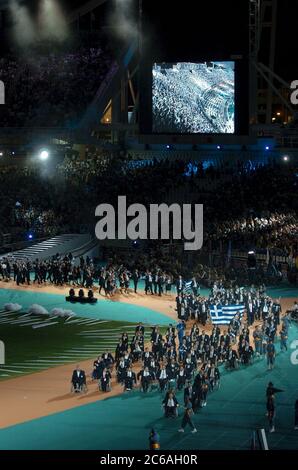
187 287
224 314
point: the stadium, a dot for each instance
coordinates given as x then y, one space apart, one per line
148 229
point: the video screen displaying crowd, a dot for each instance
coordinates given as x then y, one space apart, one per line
193 98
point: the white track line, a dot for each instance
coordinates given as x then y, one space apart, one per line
27 320
96 344
85 322
74 356
99 335
43 325
7 312
68 318
26 367
90 347
89 351
51 361
102 338
119 329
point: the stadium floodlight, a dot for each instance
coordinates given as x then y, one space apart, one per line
44 155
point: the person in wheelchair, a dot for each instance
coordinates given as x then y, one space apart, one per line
78 381
136 351
82 297
232 359
130 379
146 379
91 298
98 366
162 377
170 405
72 295
247 354
121 371
105 381
108 360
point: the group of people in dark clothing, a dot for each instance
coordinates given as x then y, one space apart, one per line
58 270
191 305
64 270
187 361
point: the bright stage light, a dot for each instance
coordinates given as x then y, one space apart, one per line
52 21
23 28
44 155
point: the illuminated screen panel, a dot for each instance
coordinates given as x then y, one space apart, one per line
193 98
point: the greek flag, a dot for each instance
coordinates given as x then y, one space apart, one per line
187 287
224 314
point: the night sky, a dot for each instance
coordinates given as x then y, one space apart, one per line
286 39
193 17
287 25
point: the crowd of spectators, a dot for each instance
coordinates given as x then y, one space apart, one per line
51 89
241 212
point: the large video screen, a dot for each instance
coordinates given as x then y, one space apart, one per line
193 98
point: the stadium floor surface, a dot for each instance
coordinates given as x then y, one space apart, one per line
232 413
104 309
226 423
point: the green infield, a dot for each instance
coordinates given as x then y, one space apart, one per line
38 342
